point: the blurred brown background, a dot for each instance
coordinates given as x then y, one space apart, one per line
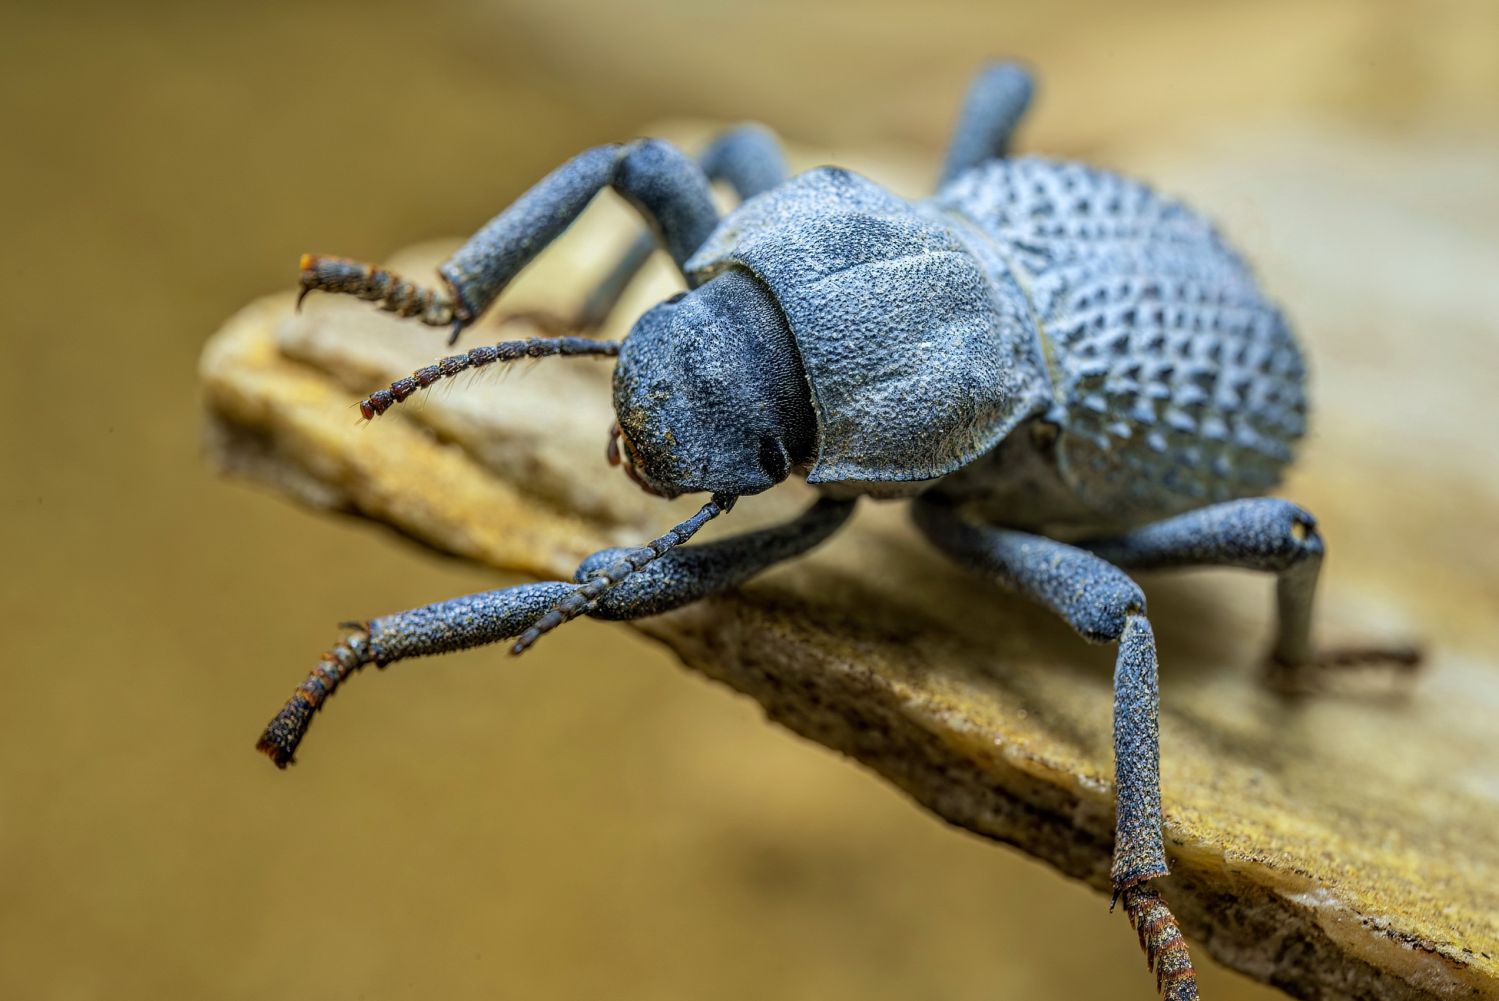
590 821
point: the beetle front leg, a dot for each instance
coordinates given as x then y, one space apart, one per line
470 621
678 578
668 189
1099 601
1259 533
747 158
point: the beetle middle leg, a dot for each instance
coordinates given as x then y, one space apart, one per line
747 158
995 103
1260 533
1099 601
668 189
677 578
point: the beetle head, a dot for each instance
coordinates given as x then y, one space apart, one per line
710 392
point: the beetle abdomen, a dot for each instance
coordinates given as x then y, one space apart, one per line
1176 382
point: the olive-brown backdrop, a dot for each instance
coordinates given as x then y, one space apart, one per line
589 821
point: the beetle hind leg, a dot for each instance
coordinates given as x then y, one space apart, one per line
1139 855
1269 535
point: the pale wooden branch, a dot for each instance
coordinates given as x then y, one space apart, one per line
1338 848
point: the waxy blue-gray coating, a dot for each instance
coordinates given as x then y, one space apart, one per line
653 176
1175 382
709 391
678 578
748 159
1026 291
1042 349
996 101
1258 533
1092 596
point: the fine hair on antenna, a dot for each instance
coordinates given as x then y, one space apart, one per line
506 351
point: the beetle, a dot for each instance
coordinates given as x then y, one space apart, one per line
1067 374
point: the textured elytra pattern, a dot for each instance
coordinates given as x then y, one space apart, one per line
1177 383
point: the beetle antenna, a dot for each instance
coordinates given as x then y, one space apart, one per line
537 347
605 579
386 289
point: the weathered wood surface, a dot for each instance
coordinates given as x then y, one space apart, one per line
1342 846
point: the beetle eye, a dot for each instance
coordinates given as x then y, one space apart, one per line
773 458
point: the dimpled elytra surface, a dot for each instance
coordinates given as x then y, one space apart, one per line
1177 383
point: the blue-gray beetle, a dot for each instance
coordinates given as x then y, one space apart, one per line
1070 374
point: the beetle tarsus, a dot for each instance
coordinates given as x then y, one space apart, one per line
1165 949
387 290
285 731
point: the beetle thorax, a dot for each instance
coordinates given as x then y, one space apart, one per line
915 364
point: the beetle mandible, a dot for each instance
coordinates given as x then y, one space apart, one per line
1068 374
